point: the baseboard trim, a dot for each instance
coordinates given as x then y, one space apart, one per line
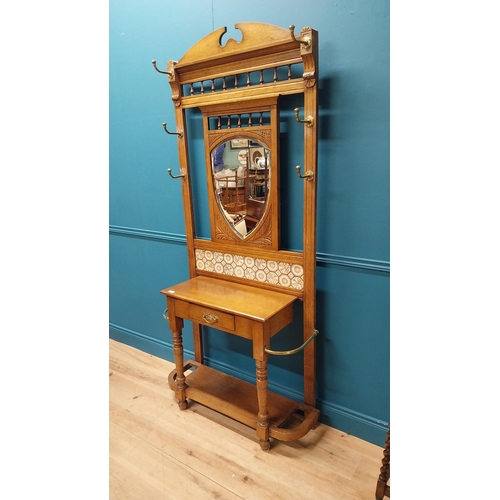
341 418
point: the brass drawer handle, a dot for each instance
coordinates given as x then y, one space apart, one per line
165 314
210 318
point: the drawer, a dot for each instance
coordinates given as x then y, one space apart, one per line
204 315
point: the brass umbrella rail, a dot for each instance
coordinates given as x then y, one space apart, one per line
292 351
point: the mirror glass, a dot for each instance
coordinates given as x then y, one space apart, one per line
240 169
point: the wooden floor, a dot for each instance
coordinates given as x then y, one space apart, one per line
159 452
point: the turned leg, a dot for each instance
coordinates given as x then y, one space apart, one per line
263 416
385 471
180 380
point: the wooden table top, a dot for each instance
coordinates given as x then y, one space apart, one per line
234 298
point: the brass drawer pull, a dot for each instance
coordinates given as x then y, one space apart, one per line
210 318
165 314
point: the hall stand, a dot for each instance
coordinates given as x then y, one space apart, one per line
241 281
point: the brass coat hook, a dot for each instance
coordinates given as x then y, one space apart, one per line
292 351
182 174
306 41
309 175
179 133
308 120
169 73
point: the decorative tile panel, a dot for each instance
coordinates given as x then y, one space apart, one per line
263 270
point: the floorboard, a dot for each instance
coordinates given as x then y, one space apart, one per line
158 452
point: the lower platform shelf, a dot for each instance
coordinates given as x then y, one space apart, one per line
237 399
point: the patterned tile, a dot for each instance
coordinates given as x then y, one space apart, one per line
266 271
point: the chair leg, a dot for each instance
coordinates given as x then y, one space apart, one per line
385 471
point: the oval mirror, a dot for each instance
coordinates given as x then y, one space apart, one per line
240 169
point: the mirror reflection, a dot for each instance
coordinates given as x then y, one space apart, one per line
240 169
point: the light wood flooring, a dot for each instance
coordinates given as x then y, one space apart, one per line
159 452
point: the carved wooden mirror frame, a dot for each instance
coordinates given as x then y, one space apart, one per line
248 125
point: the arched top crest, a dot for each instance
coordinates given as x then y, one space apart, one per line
258 38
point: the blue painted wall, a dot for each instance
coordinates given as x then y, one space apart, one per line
147 245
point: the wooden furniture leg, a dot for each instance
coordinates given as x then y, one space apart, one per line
179 365
263 416
383 490
198 343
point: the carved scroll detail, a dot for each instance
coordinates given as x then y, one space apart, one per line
174 83
211 140
265 134
222 230
262 235
309 79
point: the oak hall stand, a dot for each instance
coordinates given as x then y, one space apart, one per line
241 282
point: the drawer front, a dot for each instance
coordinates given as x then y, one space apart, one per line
205 315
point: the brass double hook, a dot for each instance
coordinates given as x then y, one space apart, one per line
308 176
181 175
308 120
169 73
179 133
306 41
